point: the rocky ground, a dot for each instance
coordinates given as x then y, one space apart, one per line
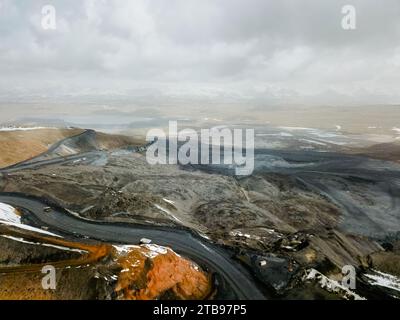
97 271
278 226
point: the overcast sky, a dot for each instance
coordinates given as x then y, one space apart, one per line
253 51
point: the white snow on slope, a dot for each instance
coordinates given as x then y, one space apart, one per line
9 216
296 128
384 280
153 249
331 285
7 129
167 212
43 244
323 136
169 201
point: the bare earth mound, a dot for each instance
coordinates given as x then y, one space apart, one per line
17 146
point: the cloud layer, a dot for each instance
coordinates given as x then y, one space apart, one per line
224 50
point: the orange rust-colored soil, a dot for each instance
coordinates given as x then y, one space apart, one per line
17 146
146 272
145 277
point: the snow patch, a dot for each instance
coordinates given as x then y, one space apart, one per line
7 129
153 249
295 128
169 201
125 248
384 280
9 216
167 212
44 244
238 233
397 130
331 285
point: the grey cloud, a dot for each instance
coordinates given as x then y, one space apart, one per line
257 49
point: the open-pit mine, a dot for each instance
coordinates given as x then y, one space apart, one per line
88 209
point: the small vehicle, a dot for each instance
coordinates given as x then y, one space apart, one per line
263 263
145 241
44 228
47 209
